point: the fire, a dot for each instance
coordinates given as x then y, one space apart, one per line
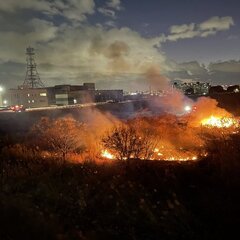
182 159
158 156
172 155
219 122
106 154
166 150
178 143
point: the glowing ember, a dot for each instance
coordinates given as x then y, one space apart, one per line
181 158
219 122
170 155
156 150
106 154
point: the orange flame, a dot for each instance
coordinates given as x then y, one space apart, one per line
106 154
171 156
219 122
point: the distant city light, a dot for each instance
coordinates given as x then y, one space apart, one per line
1 88
236 90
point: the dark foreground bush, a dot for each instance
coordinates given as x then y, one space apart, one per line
120 200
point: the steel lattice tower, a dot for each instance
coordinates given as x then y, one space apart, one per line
32 79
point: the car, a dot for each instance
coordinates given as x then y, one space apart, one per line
18 108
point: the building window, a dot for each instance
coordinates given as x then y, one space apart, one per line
32 101
29 101
28 94
43 94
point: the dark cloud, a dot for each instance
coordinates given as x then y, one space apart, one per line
225 72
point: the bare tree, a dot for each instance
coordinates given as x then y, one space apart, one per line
63 135
125 142
148 135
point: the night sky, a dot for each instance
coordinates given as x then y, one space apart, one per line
114 42
155 17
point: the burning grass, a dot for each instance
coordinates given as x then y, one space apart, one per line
106 154
220 122
173 138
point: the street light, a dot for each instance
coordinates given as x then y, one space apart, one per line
187 108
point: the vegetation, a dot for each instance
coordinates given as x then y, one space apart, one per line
64 135
44 197
126 142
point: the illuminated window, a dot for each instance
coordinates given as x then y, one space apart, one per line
43 94
32 101
28 95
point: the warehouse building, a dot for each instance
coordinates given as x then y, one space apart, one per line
72 94
59 95
28 97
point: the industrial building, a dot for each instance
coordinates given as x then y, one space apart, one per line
71 94
29 98
60 95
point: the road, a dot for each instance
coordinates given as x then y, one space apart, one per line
75 106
